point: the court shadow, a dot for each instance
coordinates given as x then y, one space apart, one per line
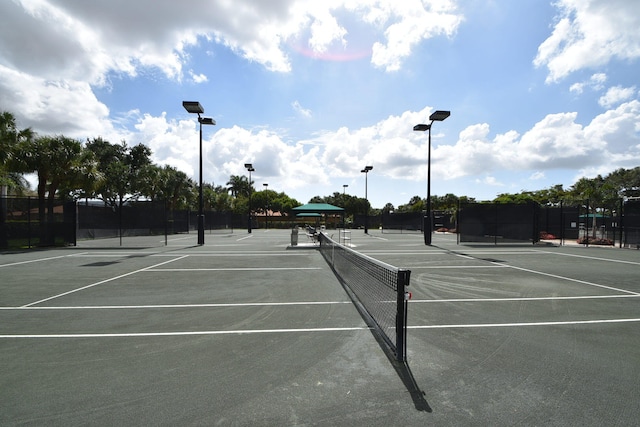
404 373
402 368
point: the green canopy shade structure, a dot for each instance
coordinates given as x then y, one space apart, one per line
316 210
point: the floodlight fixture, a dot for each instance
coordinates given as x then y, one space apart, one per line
421 127
439 115
193 107
206 121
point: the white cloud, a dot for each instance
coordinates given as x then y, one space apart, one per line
537 176
411 23
490 180
300 110
588 34
615 95
611 141
595 82
198 78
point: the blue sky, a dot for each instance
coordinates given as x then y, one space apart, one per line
540 93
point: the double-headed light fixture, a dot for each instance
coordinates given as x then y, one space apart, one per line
427 226
194 107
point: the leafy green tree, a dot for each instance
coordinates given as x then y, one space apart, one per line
59 162
590 192
10 137
625 181
416 204
388 208
123 168
167 183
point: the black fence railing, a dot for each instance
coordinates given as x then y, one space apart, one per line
512 223
25 223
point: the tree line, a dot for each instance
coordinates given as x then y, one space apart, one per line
117 173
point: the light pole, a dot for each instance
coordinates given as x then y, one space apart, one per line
344 190
366 198
195 108
250 168
427 224
266 211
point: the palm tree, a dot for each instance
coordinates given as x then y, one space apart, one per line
238 185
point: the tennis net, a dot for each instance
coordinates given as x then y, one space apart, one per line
377 289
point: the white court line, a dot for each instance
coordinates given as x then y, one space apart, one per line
555 276
175 334
506 325
164 270
379 238
155 306
457 267
521 299
102 281
245 237
41 259
306 330
595 258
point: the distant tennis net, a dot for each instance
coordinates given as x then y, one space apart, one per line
377 289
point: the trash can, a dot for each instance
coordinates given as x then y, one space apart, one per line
294 236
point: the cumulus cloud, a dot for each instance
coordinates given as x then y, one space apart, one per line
616 95
588 34
411 23
611 140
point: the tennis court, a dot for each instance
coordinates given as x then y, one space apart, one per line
244 331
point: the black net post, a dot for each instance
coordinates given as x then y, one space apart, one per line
401 319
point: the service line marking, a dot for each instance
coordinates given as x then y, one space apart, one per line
156 306
102 282
180 333
40 259
166 270
506 325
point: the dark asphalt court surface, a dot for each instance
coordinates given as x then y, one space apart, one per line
243 331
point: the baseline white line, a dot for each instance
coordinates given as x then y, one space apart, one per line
41 259
555 276
595 258
521 299
243 238
164 270
174 334
155 306
102 282
506 325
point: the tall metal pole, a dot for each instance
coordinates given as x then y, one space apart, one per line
250 186
366 198
428 227
427 223
201 201
194 107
